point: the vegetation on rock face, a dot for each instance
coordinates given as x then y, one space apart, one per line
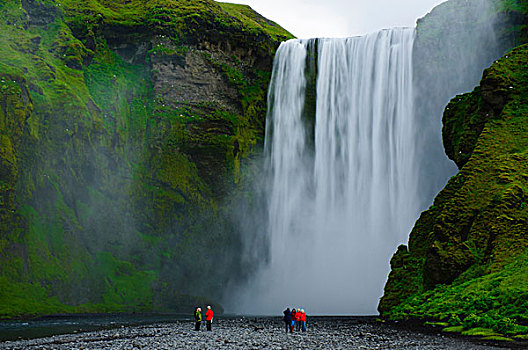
467 258
454 43
466 261
516 9
123 125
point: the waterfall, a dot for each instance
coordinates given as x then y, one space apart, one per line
341 185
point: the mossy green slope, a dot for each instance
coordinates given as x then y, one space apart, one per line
112 178
454 43
467 258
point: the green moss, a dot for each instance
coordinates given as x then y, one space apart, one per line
497 338
480 332
255 22
517 9
461 134
521 337
471 241
182 20
437 324
486 300
453 329
250 125
27 299
121 92
126 287
97 158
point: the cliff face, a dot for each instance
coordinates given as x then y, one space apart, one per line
453 45
466 262
124 126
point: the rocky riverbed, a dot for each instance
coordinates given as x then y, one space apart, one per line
256 333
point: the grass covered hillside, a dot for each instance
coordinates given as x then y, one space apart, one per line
467 259
123 127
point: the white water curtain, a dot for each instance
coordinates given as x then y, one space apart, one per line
337 212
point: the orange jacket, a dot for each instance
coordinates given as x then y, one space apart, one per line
209 315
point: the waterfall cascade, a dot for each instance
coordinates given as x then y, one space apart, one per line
341 189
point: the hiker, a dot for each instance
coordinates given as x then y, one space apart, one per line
209 317
303 320
292 323
197 318
287 318
298 319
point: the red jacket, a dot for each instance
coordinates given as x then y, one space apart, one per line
209 315
298 316
303 316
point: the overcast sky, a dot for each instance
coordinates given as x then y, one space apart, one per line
340 18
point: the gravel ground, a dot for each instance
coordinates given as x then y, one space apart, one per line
255 333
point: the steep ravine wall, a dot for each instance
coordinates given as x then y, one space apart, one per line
466 262
124 126
454 43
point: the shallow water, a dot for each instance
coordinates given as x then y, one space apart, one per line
55 325
175 332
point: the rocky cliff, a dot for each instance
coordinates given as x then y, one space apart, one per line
466 262
454 43
124 127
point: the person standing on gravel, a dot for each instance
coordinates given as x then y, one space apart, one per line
298 320
209 317
292 323
197 319
303 320
287 319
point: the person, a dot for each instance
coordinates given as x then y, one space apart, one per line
209 317
287 318
292 323
303 320
197 318
298 320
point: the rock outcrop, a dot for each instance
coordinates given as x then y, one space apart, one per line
466 262
454 43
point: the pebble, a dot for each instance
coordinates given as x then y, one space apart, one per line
255 333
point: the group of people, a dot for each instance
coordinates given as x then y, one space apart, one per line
198 318
295 319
